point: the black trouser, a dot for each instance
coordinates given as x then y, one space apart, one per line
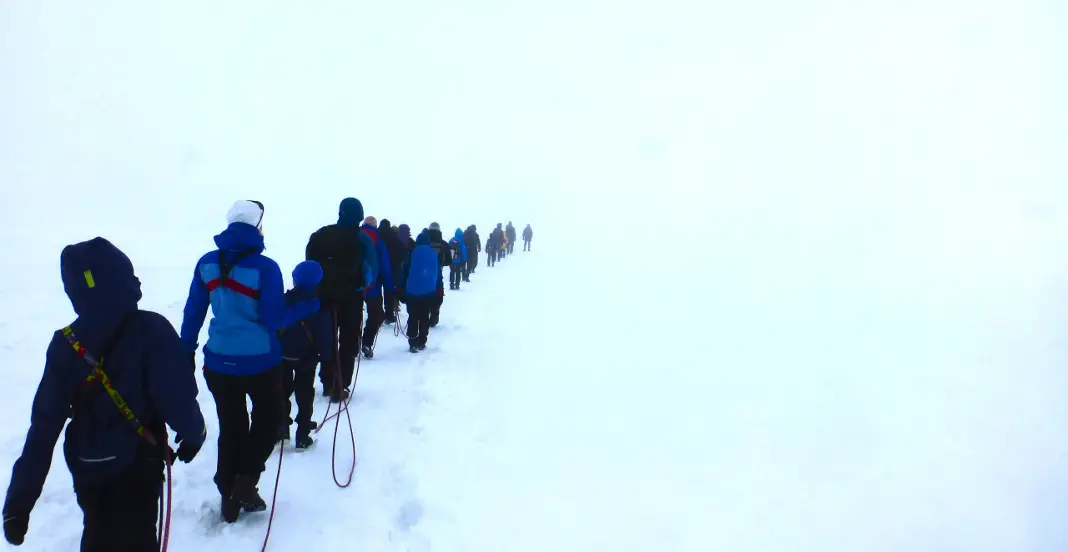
500 253
456 272
419 319
511 247
491 255
298 380
244 448
390 306
526 245
435 307
120 514
472 262
375 315
349 324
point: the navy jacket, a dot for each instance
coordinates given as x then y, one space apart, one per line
248 307
148 366
308 340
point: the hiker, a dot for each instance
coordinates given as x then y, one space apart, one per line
350 264
500 240
422 279
510 232
372 294
474 247
458 259
243 356
528 235
404 234
437 241
118 474
304 344
397 253
491 249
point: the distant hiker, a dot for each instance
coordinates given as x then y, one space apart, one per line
243 356
491 249
437 241
117 473
350 264
373 293
458 260
500 241
528 235
474 247
510 232
398 251
422 279
404 234
304 344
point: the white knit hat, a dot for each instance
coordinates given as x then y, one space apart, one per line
246 211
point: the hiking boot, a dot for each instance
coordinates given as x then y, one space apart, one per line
422 346
231 509
368 352
338 396
413 349
304 440
246 494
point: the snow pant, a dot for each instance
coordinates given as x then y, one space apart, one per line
511 247
348 331
298 381
456 273
419 319
435 307
472 263
390 306
120 513
526 245
500 253
491 256
375 315
244 448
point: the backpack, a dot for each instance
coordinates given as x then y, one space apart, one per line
339 251
454 246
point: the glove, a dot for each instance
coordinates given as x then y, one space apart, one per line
186 451
15 526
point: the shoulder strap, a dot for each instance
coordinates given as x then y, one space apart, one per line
225 268
98 375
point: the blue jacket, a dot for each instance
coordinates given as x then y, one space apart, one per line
148 366
459 238
249 305
308 340
422 271
384 276
350 215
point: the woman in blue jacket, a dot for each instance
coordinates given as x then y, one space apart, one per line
243 355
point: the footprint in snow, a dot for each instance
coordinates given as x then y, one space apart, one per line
409 515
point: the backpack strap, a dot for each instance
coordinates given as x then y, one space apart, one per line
224 275
97 375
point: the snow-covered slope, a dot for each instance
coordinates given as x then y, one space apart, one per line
798 280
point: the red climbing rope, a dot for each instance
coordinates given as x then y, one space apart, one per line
342 406
274 499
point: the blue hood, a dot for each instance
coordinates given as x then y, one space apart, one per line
423 239
240 237
307 275
99 280
459 235
350 213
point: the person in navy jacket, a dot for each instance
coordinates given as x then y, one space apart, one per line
304 345
458 261
422 278
243 355
117 473
373 293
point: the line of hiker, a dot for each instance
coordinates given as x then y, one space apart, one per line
123 375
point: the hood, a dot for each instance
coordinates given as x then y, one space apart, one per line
435 236
240 237
498 226
423 239
404 232
99 279
384 225
350 213
459 235
307 275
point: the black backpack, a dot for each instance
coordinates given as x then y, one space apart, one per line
339 251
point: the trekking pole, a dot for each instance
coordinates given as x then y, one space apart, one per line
274 499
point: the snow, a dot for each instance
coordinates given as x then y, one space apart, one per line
798 279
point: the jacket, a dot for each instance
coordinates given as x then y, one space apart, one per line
248 305
472 239
385 271
147 365
308 340
458 239
422 271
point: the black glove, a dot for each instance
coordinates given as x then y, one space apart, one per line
15 525
186 451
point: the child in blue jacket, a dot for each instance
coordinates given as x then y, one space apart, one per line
422 277
304 344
